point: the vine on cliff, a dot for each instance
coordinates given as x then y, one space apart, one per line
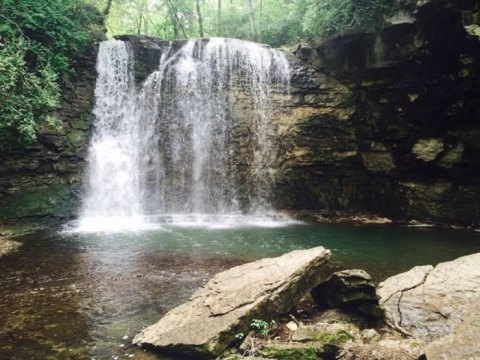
39 43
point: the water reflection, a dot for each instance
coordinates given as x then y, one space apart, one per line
76 296
40 304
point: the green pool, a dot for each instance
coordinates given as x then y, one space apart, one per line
84 295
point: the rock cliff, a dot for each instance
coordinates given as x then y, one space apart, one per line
383 122
400 138
42 180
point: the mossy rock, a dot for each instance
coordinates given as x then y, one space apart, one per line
338 338
320 342
54 200
75 139
302 353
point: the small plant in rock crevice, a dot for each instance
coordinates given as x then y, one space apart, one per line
260 330
262 327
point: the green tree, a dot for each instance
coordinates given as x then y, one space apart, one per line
40 39
39 43
276 22
199 15
329 17
28 97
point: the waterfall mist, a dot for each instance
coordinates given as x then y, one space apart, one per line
179 143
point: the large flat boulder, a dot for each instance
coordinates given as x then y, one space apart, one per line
431 302
463 343
208 322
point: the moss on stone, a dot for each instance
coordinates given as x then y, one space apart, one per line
328 338
319 341
303 353
74 139
53 200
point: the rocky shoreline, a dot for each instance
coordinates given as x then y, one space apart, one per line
8 233
358 218
254 311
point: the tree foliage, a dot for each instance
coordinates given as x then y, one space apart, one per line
39 42
328 17
276 22
27 96
40 39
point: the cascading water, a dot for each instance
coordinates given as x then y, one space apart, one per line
113 175
179 143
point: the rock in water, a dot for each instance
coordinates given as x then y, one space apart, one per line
430 303
208 322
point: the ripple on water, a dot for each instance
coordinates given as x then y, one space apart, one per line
77 295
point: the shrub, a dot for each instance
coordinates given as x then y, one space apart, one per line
327 17
39 43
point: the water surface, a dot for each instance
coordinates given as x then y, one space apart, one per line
85 295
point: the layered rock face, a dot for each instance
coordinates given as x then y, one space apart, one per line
384 122
43 179
398 134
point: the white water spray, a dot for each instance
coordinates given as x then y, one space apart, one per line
169 146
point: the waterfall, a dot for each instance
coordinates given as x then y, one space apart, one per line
113 160
194 138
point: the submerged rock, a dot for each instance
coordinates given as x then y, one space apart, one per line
431 302
8 246
225 306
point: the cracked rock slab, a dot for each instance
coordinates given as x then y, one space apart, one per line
463 343
430 302
208 322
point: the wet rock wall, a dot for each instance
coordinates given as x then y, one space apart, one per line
408 147
42 181
384 123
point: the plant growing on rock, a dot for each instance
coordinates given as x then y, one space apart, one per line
261 327
39 44
253 342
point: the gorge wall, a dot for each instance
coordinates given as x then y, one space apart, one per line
43 180
407 147
383 122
